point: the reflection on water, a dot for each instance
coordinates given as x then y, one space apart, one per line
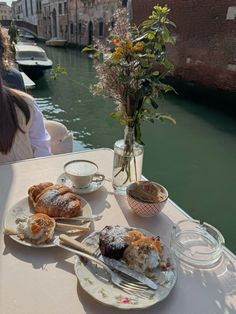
195 159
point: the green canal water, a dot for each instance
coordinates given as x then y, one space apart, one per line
195 159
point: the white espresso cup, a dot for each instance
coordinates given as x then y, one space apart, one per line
82 173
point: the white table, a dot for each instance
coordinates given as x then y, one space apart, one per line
36 281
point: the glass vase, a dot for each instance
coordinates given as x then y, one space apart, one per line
128 161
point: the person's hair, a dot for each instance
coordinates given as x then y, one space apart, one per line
9 125
5 50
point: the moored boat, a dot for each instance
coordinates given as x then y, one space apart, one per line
56 42
32 59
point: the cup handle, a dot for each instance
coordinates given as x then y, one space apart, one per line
98 177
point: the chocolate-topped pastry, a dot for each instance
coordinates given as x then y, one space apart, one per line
112 241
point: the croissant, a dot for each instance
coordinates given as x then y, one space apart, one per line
55 200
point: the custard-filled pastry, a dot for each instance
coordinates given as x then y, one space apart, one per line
37 229
55 200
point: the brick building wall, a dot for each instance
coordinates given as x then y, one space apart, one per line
205 49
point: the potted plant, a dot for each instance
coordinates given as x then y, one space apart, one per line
134 62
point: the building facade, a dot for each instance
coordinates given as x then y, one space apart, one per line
53 20
17 10
27 10
89 19
30 10
77 21
5 11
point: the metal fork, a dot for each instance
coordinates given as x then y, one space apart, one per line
116 278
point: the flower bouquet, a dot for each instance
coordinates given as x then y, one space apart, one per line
130 69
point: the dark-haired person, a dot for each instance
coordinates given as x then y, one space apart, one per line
11 76
22 131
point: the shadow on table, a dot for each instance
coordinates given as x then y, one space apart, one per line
6 172
160 224
38 257
215 287
98 206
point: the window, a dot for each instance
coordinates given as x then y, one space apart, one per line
31 7
80 28
31 55
65 7
60 8
124 3
231 13
26 8
72 28
101 29
39 6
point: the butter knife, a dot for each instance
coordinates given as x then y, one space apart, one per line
80 218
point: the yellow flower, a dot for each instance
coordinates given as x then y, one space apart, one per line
116 55
119 50
128 44
138 47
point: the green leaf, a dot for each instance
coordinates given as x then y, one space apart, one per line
138 134
117 115
147 100
89 49
165 87
154 102
140 38
167 64
156 73
151 35
123 122
166 116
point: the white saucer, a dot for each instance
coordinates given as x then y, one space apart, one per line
93 186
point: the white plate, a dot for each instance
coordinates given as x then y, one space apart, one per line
24 208
107 293
93 186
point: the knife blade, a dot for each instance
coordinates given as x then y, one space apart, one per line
117 265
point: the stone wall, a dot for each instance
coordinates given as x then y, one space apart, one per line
205 49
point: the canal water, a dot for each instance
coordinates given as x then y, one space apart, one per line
195 159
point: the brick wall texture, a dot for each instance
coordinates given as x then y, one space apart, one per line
205 49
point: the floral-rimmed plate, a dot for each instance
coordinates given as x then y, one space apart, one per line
91 280
24 208
93 186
